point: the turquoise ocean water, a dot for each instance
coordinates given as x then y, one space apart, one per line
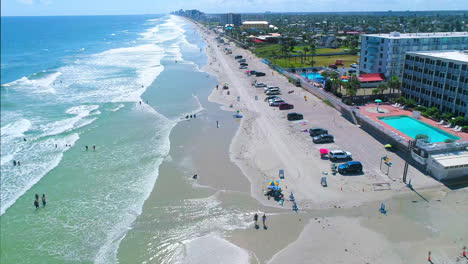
79 81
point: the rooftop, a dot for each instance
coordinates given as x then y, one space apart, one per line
451 159
455 55
398 35
255 22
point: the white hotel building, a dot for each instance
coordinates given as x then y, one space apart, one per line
385 53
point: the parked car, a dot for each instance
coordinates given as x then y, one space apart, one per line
269 87
242 67
241 60
258 74
275 103
272 89
324 138
260 85
353 65
268 98
350 167
333 66
316 131
339 155
250 73
285 106
238 57
244 64
294 116
351 70
274 92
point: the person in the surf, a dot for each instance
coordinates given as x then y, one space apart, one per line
36 200
43 200
14 162
86 147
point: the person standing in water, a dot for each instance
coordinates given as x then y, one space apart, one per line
14 162
36 201
43 200
86 147
18 162
94 147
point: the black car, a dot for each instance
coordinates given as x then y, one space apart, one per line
324 138
258 74
350 167
295 116
241 60
244 64
316 131
238 57
252 73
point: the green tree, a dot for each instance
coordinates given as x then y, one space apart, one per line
375 91
312 53
382 87
394 83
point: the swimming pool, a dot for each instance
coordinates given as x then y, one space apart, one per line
412 127
313 76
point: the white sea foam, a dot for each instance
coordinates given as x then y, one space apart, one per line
38 158
39 85
15 129
65 125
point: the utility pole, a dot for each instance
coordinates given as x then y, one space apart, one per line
405 169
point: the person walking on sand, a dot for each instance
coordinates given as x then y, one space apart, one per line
43 200
263 220
256 218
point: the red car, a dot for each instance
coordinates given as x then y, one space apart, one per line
333 66
285 106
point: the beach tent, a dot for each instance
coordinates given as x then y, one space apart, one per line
273 183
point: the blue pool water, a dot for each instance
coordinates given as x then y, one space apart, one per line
313 76
412 127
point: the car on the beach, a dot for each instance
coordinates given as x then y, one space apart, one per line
285 106
272 97
250 73
238 57
243 64
324 138
258 74
316 131
353 65
273 92
339 155
241 60
260 85
350 167
294 116
242 67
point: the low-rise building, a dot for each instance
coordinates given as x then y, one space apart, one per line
437 79
449 165
255 24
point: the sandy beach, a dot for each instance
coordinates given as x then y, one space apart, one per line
340 223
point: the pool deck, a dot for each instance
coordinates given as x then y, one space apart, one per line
392 111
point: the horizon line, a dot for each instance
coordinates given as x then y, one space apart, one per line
263 12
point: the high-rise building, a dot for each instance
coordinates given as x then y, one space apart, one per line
230 18
437 79
385 53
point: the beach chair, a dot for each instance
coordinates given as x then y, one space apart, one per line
455 128
402 106
281 174
395 104
459 129
441 122
448 125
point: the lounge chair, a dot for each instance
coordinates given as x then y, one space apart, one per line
455 128
441 122
448 125
459 129
402 106
395 105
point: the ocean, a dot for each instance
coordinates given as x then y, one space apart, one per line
99 82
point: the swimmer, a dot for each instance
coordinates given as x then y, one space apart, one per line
43 200
86 147
14 162
190 116
36 203
194 116
19 164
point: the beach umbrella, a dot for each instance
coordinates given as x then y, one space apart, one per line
273 183
388 146
377 101
323 151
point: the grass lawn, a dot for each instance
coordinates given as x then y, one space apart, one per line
269 51
319 61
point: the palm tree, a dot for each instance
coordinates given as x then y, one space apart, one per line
312 53
394 83
382 87
305 49
375 91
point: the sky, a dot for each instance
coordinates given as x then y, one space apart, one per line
125 7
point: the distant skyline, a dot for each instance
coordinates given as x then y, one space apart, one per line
126 7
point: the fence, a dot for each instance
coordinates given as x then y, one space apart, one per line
363 99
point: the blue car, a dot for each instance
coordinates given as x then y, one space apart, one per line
350 167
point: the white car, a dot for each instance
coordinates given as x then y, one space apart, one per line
275 102
270 87
260 85
340 155
276 89
353 65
